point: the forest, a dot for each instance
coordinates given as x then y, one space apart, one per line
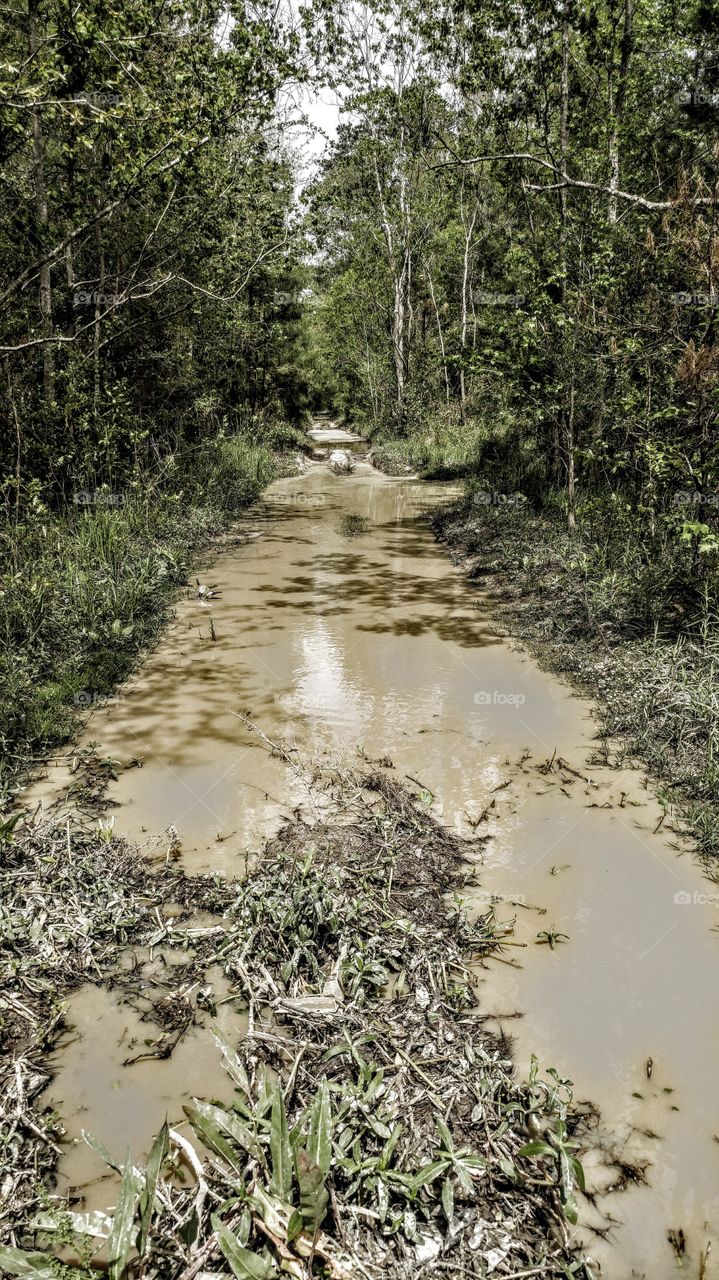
475 244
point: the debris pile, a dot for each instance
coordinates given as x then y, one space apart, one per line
377 1129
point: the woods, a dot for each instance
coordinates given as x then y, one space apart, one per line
145 221
518 258
146 231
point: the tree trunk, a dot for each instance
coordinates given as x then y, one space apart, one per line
468 232
569 441
571 478
41 211
616 107
440 334
97 330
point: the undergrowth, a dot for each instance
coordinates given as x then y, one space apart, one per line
433 459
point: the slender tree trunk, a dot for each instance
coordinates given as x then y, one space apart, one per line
370 382
569 410
440 335
616 106
18 449
571 477
97 331
41 211
468 233
399 256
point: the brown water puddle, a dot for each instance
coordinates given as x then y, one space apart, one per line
374 644
120 1105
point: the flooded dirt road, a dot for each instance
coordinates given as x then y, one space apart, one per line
373 644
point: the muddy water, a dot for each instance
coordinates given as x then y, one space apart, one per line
103 1083
373 644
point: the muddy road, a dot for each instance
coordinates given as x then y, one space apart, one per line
373 644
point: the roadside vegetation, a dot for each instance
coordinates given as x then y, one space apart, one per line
150 346
518 288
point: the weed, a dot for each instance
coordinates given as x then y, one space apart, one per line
352 525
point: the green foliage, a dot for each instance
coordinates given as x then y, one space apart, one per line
551 337
166 283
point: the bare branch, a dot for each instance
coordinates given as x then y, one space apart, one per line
566 181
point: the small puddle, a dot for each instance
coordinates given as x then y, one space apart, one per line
374 644
124 1106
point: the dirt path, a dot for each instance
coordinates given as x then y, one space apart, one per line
373 644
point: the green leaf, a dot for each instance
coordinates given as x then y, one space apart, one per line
155 1162
39 1266
102 1151
294 1226
232 1063
280 1149
448 1199
571 1212
123 1234
313 1193
445 1135
536 1148
319 1145
578 1170
212 1124
245 1264
390 1145
429 1172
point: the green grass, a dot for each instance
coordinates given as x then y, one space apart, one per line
449 457
83 592
353 526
